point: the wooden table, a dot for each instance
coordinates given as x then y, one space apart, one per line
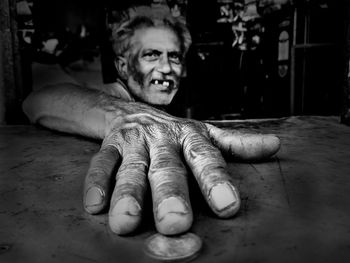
295 207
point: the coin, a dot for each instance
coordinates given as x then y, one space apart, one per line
173 248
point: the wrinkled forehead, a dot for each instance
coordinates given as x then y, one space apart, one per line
155 37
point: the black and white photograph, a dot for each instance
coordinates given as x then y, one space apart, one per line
139 131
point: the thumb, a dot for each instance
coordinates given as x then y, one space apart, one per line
244 146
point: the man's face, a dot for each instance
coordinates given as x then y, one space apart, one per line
155 65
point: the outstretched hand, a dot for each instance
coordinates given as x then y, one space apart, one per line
157 147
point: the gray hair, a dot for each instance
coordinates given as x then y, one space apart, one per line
145 17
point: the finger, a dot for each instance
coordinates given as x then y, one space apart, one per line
248 147
131 184
98 179
209 169
168 180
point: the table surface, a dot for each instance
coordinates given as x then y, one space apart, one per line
295 207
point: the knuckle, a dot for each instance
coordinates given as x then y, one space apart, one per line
162 133
169 164
194 129
127 166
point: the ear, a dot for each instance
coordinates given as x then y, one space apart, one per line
122 67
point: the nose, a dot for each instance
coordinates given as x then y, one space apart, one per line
164 65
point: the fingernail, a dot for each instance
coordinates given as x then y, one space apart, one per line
274 142
94 197
225 199
125 216
174 216
127 205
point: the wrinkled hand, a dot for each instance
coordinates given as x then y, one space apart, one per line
153 146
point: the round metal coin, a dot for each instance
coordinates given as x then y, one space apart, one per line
173 248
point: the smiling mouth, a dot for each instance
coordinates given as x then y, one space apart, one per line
163 83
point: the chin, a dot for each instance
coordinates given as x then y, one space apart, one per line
160 103
162 100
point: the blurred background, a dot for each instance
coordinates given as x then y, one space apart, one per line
249 58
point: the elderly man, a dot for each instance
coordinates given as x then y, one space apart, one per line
142 142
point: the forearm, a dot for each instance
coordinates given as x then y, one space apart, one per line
67 108
78 110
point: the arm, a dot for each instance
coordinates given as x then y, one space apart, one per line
73 101
67 107
71 108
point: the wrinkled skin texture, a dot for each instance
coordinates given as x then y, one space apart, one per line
155 57
152 146
142 144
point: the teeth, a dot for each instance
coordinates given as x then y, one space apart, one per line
165 83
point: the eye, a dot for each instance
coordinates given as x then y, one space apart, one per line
151 55
175 58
